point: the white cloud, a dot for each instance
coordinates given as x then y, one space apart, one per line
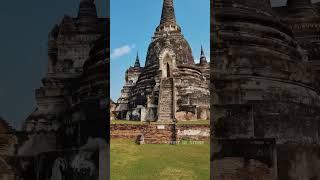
121 51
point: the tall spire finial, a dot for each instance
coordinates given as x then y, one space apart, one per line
202 52
203 59
137 63
168 24
168 14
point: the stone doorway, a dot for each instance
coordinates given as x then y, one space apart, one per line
167 63
168 70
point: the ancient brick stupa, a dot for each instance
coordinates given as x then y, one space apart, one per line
303 18
266 100
69 45
66 135
171 86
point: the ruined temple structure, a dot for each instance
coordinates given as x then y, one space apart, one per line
265 100
66 136
171 86
7 150
69 44
112 106
303 18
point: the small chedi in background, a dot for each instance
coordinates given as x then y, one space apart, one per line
171 86
66 136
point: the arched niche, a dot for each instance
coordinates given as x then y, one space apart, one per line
167 63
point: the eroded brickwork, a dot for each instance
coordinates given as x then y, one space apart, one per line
264 84
66 136
161 133
171 86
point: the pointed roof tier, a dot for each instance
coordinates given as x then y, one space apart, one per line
168 24
168 15
136 68
137 63
203 59
168 36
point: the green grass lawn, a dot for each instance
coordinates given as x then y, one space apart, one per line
159 161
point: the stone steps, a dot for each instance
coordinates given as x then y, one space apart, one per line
166 100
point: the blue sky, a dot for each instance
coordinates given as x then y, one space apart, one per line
133 23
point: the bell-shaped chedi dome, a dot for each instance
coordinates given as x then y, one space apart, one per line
259 69
258 42
263 87
304 20
167 38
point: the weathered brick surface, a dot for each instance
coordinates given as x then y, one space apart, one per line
71 109
160 134
167 133
298 161
263 86
240 159
171 85
126 131
235 168
193 132
166 107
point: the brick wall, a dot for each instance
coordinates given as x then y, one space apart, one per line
157 133
126 131
193 132
250 159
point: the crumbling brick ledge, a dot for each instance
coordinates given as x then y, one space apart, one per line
161 133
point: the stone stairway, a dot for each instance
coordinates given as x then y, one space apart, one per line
166 100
